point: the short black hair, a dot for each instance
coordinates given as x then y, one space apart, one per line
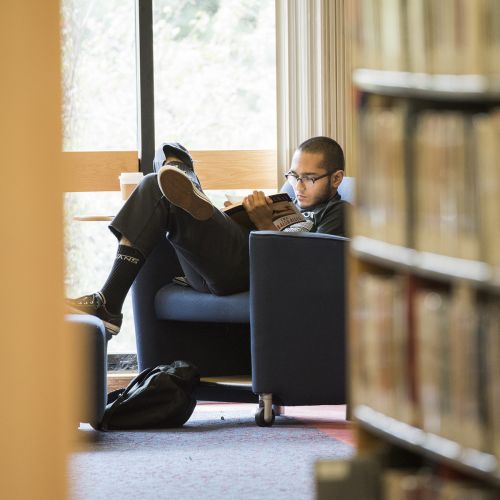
333 156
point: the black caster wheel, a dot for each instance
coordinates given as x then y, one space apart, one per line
259 418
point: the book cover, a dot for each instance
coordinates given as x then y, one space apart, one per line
285 213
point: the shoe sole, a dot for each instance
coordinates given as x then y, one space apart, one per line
179 190
112 329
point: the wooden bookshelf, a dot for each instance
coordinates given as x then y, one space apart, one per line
424 328
426 264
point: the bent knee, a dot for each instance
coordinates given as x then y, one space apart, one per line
148 181
150 178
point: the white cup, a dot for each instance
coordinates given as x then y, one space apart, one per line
128 182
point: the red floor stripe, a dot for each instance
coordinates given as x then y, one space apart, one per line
328 419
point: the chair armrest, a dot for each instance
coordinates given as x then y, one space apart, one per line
313 264
297 316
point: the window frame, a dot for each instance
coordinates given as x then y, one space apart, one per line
217 169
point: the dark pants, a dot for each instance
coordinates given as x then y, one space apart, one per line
212 253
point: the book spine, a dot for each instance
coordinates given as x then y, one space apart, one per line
376 476
382 205
486 151
382 378
452 361
429 36
408 484
453 172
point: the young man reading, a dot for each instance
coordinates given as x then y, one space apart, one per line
212 248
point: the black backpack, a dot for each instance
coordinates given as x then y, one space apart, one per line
157 398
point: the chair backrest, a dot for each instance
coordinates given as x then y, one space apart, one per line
346 189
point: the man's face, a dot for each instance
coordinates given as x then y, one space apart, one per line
308 164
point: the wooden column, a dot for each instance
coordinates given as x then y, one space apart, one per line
36 368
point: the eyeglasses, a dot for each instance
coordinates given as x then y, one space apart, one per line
307 180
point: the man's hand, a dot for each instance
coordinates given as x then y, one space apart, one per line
259 209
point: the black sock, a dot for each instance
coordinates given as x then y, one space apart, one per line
127 265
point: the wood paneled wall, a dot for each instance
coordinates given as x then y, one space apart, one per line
239 169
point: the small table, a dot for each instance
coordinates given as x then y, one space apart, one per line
86 218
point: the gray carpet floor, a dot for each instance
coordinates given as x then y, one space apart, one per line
219 454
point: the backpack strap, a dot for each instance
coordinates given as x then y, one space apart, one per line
116 397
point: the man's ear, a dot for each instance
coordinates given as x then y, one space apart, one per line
336 178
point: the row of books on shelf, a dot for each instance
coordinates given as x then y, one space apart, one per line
404 484
428 36
429 355
370 476
432 179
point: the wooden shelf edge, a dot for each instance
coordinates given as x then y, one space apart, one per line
426 264
380 252
93 218
431 86
472 462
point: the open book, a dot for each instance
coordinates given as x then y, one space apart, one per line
285 213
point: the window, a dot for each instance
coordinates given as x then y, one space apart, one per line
214 64
90 250
99 79
215 73
99 114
